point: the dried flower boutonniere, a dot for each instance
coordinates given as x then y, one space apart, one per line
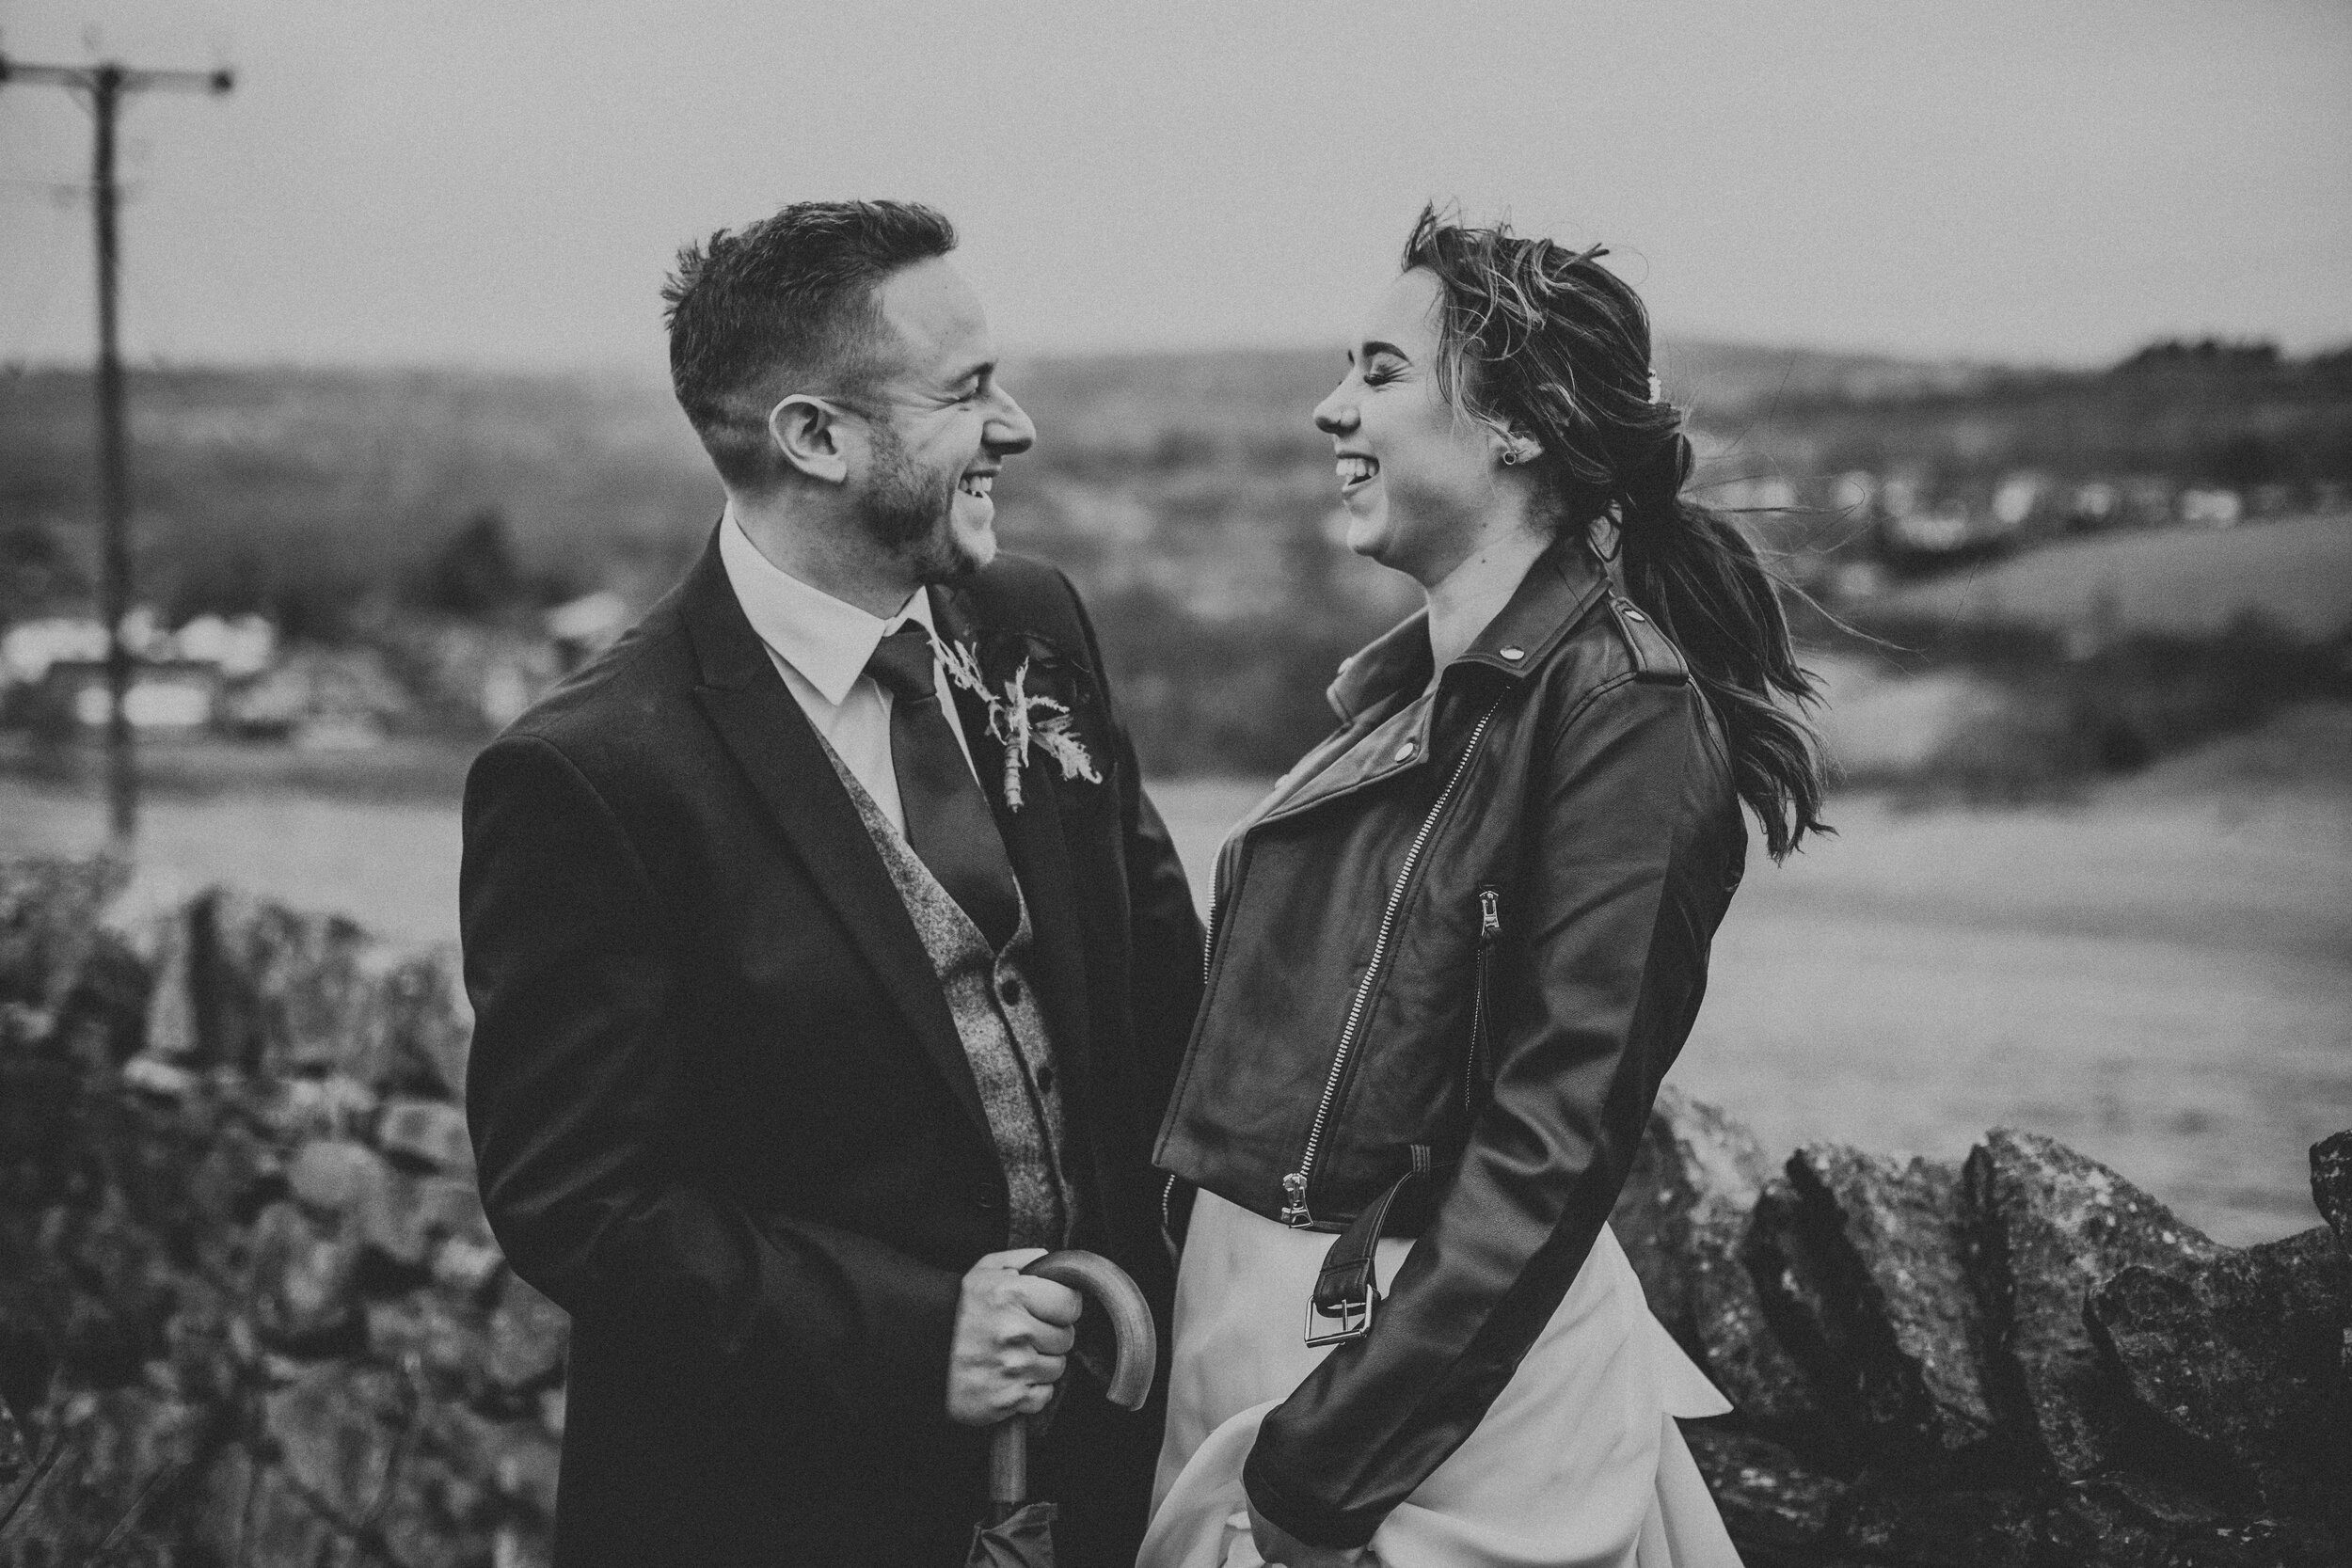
1014 719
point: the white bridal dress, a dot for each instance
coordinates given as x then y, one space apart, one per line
1578 1464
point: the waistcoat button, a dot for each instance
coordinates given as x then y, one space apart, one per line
1009 989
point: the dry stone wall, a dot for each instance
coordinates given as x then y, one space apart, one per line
251 1312
2018 1361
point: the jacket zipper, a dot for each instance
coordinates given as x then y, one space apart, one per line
1490 928
1208 964
1295 1186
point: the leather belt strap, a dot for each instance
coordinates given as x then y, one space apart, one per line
1347 1288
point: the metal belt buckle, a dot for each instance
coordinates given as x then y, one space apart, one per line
1354 1315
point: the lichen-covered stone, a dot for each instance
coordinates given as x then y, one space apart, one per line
334 1176
287 992
1695 1175
2235 1360
1896 1308
466 1264
528 1337
437 1514
294 1110
1943 1528
428 1024
2048 1226
1682 1218
235 1176
429 1133
2331 1184
517 1458
1769 1499
404 1216
523 1544
448 1341
49 923
338 1429
303 1280
527 1470
2130 1521
111 1292
117 1451
1774 1347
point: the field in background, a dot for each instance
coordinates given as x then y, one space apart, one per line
2160 975
2295 577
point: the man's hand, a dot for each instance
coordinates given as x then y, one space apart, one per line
1013 1334
1279 1546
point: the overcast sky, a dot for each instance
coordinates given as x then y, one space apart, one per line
421 181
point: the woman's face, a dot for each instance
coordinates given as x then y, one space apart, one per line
1416 476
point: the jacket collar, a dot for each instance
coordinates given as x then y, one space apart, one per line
829 640
1553 595
1387 703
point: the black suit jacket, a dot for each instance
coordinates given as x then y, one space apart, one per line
722 1115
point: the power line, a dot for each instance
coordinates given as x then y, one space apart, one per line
103 87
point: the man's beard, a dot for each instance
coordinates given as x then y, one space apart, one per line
906 510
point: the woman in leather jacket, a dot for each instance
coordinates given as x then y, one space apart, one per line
1454 953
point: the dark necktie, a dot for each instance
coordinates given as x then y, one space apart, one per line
948 819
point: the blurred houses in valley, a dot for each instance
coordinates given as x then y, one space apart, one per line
333 559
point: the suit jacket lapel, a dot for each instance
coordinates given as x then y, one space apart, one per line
1035 844
747 702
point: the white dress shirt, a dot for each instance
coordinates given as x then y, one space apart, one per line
819 646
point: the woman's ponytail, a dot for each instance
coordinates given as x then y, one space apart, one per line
1699 576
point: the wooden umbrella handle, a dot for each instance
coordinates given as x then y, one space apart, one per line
1133 1332
1008 1465
1090 1274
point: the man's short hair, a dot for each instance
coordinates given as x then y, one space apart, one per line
786 304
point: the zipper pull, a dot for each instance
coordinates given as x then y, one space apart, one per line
1489 919
1295 1200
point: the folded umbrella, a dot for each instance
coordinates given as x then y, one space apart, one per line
1020 1533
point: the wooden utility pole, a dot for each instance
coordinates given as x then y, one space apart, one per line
107 84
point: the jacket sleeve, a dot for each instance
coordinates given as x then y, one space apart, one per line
1610 959
1165 936
572 1093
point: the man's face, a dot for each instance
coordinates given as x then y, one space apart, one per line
940 426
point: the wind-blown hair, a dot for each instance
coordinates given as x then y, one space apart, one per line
785 304
1546 343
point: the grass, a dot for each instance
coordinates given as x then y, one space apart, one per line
2294 575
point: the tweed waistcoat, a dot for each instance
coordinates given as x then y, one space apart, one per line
996 1017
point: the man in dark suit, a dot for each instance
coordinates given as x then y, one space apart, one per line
828 959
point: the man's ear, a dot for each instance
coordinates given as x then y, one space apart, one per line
807 430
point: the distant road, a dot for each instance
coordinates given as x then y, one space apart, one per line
2161 977
2295 575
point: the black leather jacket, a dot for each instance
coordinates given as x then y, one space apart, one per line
1481 935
